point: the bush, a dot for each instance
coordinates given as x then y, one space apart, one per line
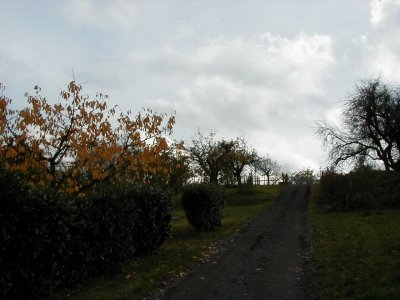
203 204
363 188
334 191
48 242
246 189
123 223
34 233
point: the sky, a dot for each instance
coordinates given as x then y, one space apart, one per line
266 70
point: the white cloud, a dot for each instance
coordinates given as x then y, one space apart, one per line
381 46
205 61
376 12
267 86
384 11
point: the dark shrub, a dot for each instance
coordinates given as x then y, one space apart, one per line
363 188
203 204
48 242
34 239
246 189
334 190
123 223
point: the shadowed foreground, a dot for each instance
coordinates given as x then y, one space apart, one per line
268 259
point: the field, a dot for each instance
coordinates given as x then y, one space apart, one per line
180 254
357 254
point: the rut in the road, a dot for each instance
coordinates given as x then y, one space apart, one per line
267 260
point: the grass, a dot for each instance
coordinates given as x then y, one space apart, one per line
357 254
182 252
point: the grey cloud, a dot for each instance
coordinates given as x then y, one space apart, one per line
265 86
246 69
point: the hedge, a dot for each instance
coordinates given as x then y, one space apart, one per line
49 241
364 188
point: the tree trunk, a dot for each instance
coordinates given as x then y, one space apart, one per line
214 178
239 179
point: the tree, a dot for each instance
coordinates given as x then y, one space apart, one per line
305 176
210 156
178 170
74 143
371 126
240 157
268 167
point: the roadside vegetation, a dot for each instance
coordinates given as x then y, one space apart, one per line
186 248
86 186
356 215
357 252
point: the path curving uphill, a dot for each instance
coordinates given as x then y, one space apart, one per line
268 259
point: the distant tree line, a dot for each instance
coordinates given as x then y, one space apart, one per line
225 161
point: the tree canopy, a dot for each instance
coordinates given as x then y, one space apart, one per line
268 167
73 144
210 156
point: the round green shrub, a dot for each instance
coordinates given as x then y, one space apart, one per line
203 204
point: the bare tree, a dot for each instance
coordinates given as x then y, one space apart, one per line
371 126
268 167
305 176
240 157
210 156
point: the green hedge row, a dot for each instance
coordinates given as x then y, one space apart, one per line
203 204
363 188
49 241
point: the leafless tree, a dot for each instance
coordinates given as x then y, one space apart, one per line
371 126
210 156
305 176
240 157
268 167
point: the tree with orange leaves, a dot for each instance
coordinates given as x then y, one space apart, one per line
80 141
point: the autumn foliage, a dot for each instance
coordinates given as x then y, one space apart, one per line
80 189
79 141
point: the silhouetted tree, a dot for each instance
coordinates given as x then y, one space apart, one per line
268 167
305 176
210 156
240 157
371 126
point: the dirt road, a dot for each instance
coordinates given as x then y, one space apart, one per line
268 259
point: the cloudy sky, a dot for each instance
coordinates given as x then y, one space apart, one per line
266 69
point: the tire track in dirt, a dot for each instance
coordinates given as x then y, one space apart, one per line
268 259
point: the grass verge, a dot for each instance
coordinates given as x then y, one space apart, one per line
357 254
182 252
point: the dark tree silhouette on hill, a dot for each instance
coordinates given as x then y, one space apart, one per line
268 167
371 126
210 156
240 157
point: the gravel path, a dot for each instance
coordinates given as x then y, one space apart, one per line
268 259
